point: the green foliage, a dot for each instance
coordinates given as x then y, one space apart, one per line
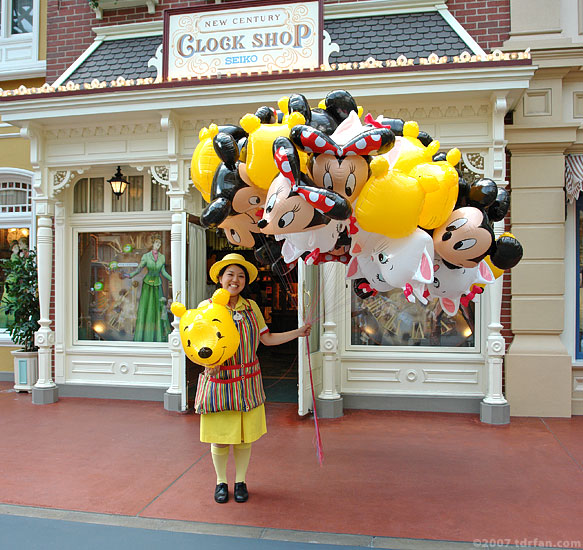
94 4
22 299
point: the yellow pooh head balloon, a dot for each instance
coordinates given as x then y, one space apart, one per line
209 335
409 151
205 161
391 201
439 203
260 168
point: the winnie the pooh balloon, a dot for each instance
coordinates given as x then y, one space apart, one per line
208 334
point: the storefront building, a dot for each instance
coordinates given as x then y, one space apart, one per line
108 253
22 63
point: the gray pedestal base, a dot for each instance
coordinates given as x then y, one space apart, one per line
45 396
494 414
173 402
330 408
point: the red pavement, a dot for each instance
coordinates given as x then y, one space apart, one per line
385 473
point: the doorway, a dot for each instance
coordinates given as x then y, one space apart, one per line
277 297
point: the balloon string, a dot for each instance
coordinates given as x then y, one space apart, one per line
319 448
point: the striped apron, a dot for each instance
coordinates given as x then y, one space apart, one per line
238 385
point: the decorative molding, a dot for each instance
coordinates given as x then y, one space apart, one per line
141 128
161 174
156 62
450 376
328 48
110 5
428 112
577 104
129 30
62 179
371 8
537 102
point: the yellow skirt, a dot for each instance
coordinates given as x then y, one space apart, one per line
233 427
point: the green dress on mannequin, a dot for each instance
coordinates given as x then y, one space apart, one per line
152 323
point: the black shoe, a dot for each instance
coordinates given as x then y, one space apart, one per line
241 494
222 493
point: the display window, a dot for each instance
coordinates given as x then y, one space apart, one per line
14 241
124 286
388 319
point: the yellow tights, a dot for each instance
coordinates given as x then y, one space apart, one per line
220 456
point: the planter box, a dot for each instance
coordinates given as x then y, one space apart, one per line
107 5
25 370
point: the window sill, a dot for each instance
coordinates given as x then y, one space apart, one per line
22 69
109 5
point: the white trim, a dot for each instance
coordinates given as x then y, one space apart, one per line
27 63
474 77
77 63
106 347
461 32
131 30
371 8
7 170
569 336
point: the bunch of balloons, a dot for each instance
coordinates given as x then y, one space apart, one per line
375 194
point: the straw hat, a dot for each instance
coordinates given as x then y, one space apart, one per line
231 259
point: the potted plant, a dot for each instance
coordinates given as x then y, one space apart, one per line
23 311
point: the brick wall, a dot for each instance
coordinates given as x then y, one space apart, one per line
487 21
70 22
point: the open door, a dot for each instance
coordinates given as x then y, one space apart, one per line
195 291
310 309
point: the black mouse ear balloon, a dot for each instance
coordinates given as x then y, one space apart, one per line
216 212
500 206
298 103
226 149
339 104
482 193
287 159
508 252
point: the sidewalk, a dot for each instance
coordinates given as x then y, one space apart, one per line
386 475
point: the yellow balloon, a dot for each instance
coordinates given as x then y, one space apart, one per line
260 166
411 151
390 202
205 161
438 203
208 334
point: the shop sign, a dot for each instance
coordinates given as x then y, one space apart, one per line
240 37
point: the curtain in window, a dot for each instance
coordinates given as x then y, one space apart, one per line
573 176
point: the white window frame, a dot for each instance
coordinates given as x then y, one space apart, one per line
146 220
19 53
569 335
402 352
17 219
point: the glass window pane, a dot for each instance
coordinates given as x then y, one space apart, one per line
159 197
13 242
124 286
119 204
21 16
80 197
96 193
388 319
135 191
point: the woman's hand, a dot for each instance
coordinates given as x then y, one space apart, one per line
305 330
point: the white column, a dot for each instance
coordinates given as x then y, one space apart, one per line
496 345
329 400
174 338
45 390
